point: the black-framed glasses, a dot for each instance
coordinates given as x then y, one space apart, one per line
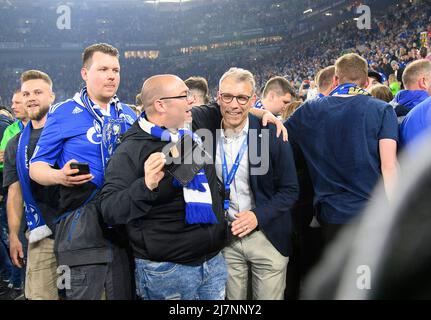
189 97
241 99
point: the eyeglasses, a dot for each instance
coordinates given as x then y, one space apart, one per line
241 99
189 97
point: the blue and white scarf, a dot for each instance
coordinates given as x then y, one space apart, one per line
111 127
37 226
197 193
350 89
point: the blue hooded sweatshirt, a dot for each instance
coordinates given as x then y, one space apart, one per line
416 122
409 99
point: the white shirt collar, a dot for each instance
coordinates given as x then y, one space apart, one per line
107 112
243 132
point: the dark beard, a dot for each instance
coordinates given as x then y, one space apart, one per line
39 115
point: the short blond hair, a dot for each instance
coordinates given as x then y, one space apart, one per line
415 70
35 75
352 68
240 75
325 77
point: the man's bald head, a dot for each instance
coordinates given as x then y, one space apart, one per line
156 87
166 101
417 76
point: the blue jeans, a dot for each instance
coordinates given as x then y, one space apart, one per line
4 228
5 263
173 281
8 271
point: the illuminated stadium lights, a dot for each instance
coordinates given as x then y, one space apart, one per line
194 49
142 54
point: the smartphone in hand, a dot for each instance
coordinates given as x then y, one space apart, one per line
83 168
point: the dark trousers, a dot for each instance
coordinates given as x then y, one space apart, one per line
8 271
330 232
110 281
307 249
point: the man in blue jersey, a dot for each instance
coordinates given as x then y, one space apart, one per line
416 123
417 84
87 129
417 80
349 140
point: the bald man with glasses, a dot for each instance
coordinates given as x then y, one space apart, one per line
176 231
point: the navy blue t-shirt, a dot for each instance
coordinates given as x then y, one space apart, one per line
339 137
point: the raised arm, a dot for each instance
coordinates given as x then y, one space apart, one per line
268 117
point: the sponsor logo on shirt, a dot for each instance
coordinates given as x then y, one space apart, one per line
77 110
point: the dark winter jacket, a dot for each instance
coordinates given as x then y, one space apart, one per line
155 219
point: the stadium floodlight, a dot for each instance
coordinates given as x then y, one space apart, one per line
308 11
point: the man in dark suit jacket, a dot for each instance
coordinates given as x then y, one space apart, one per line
260 183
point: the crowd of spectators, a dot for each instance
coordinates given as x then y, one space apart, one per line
36 23
394 35
395 39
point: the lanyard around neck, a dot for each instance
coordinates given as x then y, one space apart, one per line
228 177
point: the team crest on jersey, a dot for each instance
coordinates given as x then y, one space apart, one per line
94 134
116 128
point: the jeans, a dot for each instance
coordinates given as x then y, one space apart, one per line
173 281
5 263
8 271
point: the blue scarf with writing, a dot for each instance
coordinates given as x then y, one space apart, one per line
197 194
111 127
350 89
35 222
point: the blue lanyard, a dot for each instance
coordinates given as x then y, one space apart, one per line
228 177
